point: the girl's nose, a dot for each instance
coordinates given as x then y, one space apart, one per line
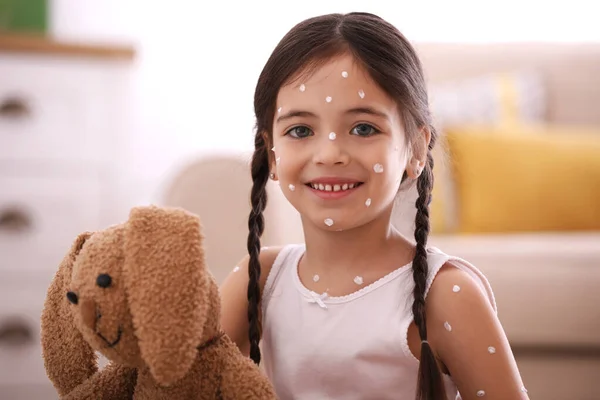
330 150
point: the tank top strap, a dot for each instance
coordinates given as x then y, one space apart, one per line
287 258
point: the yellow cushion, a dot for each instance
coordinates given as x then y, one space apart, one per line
512 105
526 178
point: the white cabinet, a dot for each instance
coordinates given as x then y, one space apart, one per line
64 125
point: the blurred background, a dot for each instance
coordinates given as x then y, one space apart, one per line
109 104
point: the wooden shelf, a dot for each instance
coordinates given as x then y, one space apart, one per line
34 44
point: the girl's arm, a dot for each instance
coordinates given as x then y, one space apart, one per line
468 338
234 298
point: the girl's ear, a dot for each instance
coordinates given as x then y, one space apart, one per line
273 159
418 153
421 143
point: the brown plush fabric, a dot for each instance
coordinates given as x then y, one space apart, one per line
140 294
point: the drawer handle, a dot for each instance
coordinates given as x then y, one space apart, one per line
15 333
14 107
14 220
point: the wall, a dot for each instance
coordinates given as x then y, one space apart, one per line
198 64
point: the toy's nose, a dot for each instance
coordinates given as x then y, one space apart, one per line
89 313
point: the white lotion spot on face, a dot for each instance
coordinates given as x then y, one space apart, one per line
481 393
378 168
328 221
277 160
361 93
316 278
491 350
292 187
368 202
328 99
302 87
236 269
456 288
344 74
448 326
332 135
273 149
358 280
279 110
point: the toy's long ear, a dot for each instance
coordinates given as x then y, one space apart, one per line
68 358
165 280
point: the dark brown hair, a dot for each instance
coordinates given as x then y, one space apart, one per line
393 64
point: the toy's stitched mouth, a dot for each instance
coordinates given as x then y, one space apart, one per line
116 341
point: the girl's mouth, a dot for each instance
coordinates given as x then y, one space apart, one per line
336 187
333 191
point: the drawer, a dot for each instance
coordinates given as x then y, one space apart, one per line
57 110
40 218
21 360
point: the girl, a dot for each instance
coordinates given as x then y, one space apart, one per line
358 311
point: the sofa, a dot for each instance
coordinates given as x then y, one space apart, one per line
546 281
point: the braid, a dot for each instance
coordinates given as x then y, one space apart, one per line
430 385
256 226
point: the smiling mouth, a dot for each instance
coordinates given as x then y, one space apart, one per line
108 342
338 187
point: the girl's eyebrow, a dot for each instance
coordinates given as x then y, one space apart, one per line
369 110
295 113
357 110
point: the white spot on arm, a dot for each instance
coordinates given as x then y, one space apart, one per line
474 347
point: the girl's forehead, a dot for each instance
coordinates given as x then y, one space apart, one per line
339 82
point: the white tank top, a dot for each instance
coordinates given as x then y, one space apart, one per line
350 347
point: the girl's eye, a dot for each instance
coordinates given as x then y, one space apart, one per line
364 130
299 132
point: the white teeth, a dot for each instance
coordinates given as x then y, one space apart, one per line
333 188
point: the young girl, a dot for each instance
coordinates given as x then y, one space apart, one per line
358 311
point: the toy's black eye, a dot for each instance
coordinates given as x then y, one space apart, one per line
103 280
72 297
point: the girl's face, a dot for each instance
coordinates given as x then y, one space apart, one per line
339 146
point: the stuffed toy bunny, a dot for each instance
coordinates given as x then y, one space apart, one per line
140 294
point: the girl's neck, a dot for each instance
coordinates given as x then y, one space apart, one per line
355 248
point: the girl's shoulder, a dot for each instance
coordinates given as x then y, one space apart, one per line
444 269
